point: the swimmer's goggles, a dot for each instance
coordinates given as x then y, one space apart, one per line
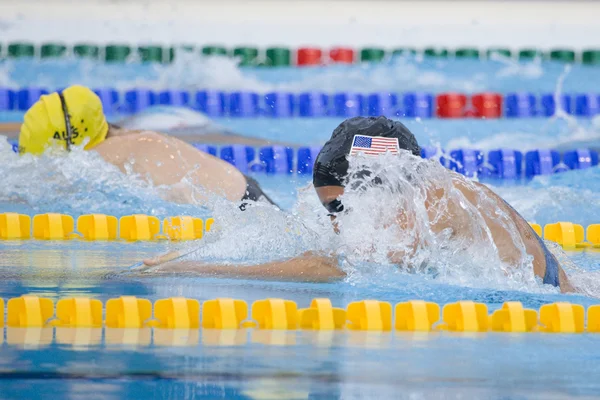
334 207
68 126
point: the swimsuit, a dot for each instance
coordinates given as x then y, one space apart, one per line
254 193
552 264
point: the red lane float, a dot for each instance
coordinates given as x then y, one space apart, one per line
341 55
487 105
310 56
451 105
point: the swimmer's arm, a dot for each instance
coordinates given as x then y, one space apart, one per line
308 267
565 284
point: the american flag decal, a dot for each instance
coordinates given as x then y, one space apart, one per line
373 146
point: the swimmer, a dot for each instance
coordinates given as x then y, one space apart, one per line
330 178
162 160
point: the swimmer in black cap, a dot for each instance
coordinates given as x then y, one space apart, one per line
331 166
330 178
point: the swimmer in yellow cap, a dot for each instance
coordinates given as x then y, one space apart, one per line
75 117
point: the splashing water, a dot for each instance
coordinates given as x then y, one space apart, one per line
447 237
261 233
573 132
372 243
81 182
78 182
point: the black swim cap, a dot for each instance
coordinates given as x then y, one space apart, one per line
331 165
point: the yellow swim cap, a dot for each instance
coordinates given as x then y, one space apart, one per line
45 126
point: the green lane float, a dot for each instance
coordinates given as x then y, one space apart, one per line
504 52
562 55
53 50
117 53
529 54
150 54
247 56
21 50
214 51
372 54
283 56
467 52
85 50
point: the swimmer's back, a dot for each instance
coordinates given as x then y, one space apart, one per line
513 237
545 263
168 161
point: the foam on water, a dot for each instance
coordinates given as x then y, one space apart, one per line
81 182
166 118
78 182
369 234
467 256
572 133
569 196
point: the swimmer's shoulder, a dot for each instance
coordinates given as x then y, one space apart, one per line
127 141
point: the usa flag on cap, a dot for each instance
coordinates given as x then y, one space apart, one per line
373 146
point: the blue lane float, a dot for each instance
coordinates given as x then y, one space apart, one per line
212 150
109 98
8 99
429 152
306 159
520 105
277 159
503 164
27 97
382 104
210 102
417 105
245 104
467 162
138 100
348 105
238 155
178 98
541 162
313 104
580 159
279 105
587 105
548 104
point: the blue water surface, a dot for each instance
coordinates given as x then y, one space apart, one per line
44 363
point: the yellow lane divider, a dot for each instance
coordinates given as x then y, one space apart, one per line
101 227
569 235
280 314
145 227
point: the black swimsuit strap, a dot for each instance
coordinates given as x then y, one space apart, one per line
254 193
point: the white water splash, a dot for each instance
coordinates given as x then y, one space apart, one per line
82 182
77 182
569 196
467 256
191 71
164 119
512 67
574 135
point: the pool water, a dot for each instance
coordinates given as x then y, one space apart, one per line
294 365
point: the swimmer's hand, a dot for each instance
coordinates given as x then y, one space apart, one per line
170 256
